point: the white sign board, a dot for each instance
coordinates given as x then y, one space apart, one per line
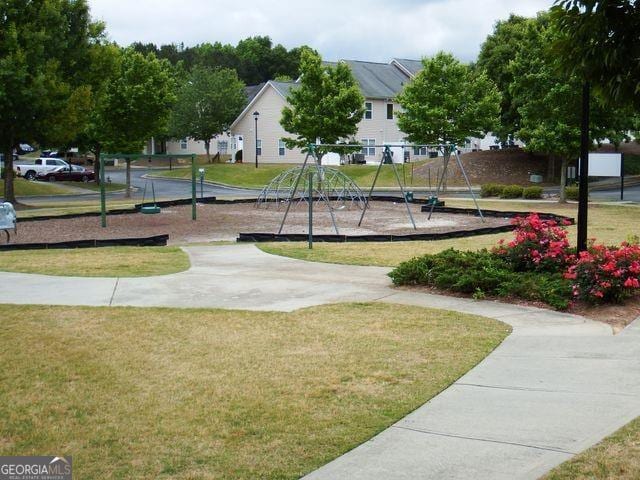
605 164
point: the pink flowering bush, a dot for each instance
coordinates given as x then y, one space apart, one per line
606 274
538 244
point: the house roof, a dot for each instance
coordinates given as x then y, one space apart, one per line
283 88
410 66
252 90
378 80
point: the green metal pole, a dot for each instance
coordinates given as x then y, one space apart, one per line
103 199
310 210
193 187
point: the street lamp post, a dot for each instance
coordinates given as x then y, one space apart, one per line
256 114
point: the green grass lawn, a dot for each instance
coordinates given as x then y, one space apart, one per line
617 457
246 175
178 393
97 262
609 224
25 188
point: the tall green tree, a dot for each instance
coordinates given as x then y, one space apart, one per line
44 48
549 99
599 41
327 105
207 103
496 54
448 101
133 103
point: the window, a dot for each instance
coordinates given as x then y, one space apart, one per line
420 151
184 144
52 162
282 148
368 149
389 111
222 147
259 147
368 110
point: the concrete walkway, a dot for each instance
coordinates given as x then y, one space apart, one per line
556 386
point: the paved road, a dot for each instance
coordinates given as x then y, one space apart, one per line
165 189
556 386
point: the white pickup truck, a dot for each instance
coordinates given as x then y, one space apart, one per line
39 166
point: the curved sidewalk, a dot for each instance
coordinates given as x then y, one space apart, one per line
557 385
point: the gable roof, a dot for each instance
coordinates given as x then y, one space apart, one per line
411 67
378 80
254 92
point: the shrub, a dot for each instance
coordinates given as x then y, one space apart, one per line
483 273
511 191
491 190
532 193
538 245
572 193
604 274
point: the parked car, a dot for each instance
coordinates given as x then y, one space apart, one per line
39 166
70 173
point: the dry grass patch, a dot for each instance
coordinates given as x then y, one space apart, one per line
610 224
615 458
97 262
169 393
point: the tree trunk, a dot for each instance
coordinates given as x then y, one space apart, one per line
551 169
9 192
563 180
207 146
128 175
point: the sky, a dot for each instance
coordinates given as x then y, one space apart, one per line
371 30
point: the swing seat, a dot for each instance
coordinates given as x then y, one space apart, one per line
150 209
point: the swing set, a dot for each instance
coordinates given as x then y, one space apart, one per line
447 151
146 207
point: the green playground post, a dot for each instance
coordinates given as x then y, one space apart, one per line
193 187
103 200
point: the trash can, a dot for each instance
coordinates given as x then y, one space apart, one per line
408 196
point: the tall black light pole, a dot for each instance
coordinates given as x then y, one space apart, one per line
256 114
583 199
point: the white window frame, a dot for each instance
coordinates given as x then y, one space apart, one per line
259 147
282 148
223 147
367 149
184 143
368 110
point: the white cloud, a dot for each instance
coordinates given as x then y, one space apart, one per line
374 30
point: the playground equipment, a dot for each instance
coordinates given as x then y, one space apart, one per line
150 209
286 187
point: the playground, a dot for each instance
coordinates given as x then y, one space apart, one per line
223 222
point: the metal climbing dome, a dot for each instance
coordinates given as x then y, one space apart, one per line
329 185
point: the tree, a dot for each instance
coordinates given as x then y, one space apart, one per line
549 102
207 104
327 105
44 46
132 105
495 56
448 101
600 42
